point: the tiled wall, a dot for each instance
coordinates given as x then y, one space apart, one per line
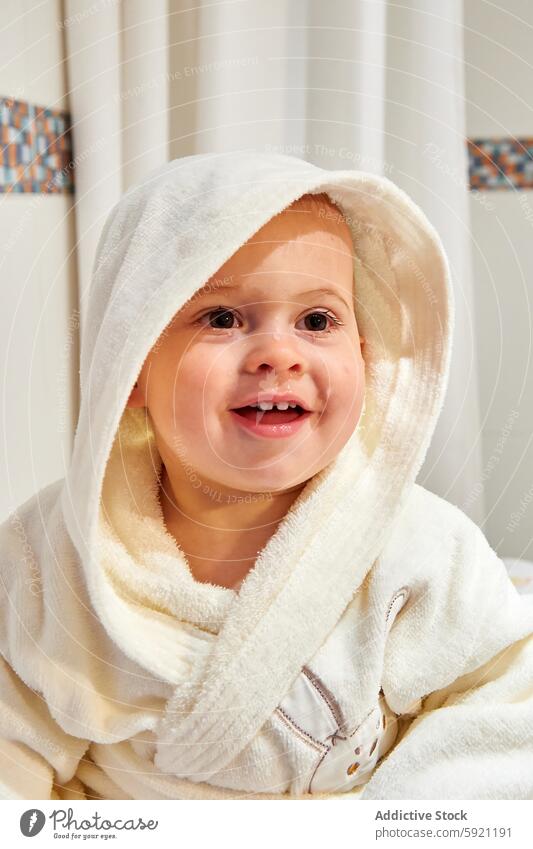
36 149
37 153
498 75
505 163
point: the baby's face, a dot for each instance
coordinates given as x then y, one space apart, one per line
276 320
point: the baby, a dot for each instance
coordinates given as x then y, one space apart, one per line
259 379
239 590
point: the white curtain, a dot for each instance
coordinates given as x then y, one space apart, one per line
117 61
352 84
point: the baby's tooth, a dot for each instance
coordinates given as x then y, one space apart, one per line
293 404
282 405
265 405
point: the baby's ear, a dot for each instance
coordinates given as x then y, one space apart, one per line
136 398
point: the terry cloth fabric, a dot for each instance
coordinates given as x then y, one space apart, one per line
377 649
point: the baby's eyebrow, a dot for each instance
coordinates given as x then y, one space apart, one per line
319 292
325 293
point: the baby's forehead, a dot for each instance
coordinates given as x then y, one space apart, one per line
320 204
312 224
314 219
318 211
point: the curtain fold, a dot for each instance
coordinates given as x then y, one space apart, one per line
425 132
346 84
117 66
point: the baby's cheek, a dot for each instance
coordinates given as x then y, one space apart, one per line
350 386
349 374
190 373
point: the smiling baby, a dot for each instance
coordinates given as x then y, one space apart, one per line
239 589
257 383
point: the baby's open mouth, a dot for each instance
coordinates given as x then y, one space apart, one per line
268 413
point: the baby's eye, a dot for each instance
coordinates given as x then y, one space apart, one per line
317 320
222 318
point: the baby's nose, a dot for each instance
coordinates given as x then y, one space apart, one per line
277 351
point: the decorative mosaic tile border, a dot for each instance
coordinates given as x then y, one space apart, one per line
501 163
36 151
36 154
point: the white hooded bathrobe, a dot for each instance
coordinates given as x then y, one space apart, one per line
377 649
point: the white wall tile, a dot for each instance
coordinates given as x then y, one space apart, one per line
38 348
31 47
499 71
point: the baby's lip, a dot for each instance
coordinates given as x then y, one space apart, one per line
273 398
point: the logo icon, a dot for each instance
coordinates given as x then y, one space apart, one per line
32 822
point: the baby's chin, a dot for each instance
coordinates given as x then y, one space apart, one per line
267 482
267 466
